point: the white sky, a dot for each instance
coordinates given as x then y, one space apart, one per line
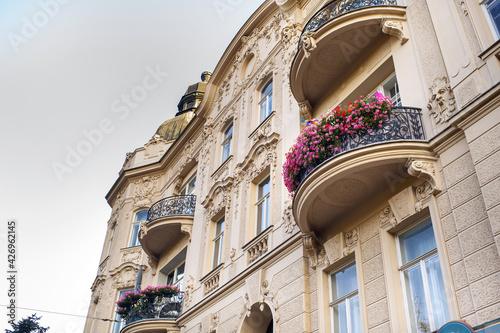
62 81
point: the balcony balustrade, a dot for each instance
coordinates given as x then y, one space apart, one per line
404 125
172 206
167 307
339 7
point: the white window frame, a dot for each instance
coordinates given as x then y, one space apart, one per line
491 23
218 239
176 280
419 261
188 188
265 202
118 325
227 142
347 298
136 226
266 101
384 88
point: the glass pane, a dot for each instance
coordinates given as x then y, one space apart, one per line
436 290
267 89
417 241
134 240
220 227
344 282
226 151
216 252
494 10
264 188
229 132
260 216
191 186
170 278
339 313
180 271
354 313
141 216
416 299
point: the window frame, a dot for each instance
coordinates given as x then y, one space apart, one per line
495 30
266 98
117 326
420 261
382 88
189 189
136 226
227 140
218 242
344 298
265 199
175 280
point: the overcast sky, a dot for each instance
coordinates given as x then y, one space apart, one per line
64 69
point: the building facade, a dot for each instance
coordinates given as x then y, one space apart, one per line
398 231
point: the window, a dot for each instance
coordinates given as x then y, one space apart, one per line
344 305
188 189
111 241
175 277
390 89
493 9
426 304
118 325
266 101
218 242
136 225
262 205
226 143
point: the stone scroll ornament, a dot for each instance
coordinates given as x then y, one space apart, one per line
425 170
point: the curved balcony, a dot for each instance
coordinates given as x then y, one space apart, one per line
168 219
335 38
367 168
158 316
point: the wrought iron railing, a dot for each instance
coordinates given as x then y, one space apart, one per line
340 7
404 125
171 206
166 307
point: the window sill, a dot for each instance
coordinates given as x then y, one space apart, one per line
258 246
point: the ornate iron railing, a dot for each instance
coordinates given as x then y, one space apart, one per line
340 7
171 206
166 307
404 125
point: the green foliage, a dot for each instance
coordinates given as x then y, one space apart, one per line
28 325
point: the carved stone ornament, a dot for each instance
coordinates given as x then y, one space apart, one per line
386 216
132 254
463 6
266 295
113 220
214 325
394 28
288 220
247 307
425 170
155 147
187 229
311 247
232 254
97 288
128 157
442 101
305 110
308 43
188 293
144 190
351 237
125 275
285 5
218 198
153 263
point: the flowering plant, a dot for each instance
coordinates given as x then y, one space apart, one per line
321 138
132 299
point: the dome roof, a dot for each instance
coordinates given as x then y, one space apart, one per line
172 128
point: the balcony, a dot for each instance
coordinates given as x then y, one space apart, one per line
336 40
158 316
168 220
368 167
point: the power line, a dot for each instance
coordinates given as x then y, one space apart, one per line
63 314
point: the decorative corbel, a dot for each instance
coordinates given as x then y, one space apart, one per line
394 28
310 245
308 43
350 241
385 216
425 170
305 110
187 229
153 263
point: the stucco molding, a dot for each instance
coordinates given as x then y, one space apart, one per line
394 28
144 190
441 103
427 171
